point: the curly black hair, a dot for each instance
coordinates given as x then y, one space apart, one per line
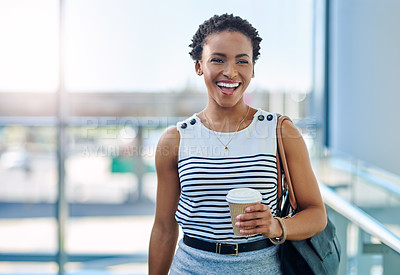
224 22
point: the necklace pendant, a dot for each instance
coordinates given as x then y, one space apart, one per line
226 148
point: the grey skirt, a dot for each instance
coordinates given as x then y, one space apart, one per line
188 260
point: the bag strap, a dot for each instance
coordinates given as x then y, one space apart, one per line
282 163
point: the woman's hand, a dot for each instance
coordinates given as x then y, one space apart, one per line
260 217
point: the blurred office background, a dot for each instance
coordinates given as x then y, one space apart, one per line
88 86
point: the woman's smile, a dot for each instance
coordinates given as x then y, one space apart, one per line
228 87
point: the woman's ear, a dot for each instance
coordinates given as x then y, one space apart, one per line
252 76
197 67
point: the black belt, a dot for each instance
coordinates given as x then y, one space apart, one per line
226 248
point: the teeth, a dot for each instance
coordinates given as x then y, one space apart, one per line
227 85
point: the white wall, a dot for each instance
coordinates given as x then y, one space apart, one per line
365 80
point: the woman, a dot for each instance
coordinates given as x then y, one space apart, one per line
227 145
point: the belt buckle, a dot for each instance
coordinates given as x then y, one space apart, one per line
236 248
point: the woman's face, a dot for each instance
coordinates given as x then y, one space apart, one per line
227 66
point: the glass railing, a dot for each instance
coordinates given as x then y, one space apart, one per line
362 200
374 190
368 247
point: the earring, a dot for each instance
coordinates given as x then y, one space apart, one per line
199 72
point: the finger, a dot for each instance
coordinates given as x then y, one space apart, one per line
257 207
261 221
251 216
254 215
250 223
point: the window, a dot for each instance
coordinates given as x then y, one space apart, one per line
127 75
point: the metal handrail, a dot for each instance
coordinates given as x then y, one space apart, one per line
134 121
360 218
364 173
28 121
381 183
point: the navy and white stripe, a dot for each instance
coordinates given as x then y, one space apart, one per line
203 211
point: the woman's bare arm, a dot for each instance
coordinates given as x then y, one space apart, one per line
165 229
312 217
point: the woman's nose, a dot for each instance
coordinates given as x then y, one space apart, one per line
230 70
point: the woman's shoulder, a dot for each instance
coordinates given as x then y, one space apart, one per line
168 145
170 136
293 141
169 140
289 130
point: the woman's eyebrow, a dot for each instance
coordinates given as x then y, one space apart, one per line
237 56
241 55
220 54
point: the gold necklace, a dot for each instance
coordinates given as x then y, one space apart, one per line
237 129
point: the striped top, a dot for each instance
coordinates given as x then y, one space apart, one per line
207 172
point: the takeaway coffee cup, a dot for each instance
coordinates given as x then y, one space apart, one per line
238 200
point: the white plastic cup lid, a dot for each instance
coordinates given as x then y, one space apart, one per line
243 195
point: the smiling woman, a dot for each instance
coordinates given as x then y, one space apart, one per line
228 145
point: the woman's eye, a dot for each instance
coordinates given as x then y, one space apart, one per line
216 60
243 62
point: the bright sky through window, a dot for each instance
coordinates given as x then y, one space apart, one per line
134 46
28 45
